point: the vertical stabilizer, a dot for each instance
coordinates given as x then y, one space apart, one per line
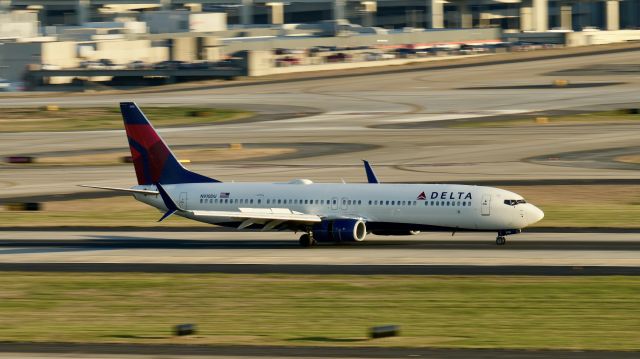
153 160
371 176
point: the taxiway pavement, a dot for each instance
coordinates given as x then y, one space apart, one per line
281 249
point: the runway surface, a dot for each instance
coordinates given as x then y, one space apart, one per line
356 110
232 252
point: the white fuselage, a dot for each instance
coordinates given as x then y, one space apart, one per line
441 206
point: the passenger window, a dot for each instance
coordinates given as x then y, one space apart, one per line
251 201
259 201
458 203
387 203
268 201
448 203
464 204
426 203
316 201
359 202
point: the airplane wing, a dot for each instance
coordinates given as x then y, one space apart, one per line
271 217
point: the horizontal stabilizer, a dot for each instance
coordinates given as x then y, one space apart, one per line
172 207
128 190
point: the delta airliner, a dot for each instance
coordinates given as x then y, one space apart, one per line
322 212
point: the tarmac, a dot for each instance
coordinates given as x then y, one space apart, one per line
428 253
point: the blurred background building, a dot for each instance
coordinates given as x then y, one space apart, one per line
100 35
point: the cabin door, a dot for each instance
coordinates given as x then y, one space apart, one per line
485 208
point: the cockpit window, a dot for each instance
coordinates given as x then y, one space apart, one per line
513 202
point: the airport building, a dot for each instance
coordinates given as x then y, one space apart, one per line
520 15
93 40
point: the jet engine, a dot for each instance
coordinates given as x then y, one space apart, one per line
340 230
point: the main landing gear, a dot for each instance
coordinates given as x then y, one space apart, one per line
501 240
306 240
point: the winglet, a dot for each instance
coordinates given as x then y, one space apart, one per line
371 176
172 207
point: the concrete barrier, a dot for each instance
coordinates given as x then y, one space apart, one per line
384 331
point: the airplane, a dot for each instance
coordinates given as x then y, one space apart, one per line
322 212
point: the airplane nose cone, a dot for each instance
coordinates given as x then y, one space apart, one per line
535 215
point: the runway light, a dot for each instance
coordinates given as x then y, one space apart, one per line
560 83
51 108
384 331
184 329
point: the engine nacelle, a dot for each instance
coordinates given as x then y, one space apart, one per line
340 230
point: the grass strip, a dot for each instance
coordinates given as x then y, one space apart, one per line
593 118
436 311
108 118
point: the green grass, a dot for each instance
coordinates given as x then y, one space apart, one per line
594 118
107 118
479 312
595 215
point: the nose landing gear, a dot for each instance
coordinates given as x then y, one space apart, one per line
501 239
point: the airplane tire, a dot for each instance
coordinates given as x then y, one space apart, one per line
306 241
501 241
